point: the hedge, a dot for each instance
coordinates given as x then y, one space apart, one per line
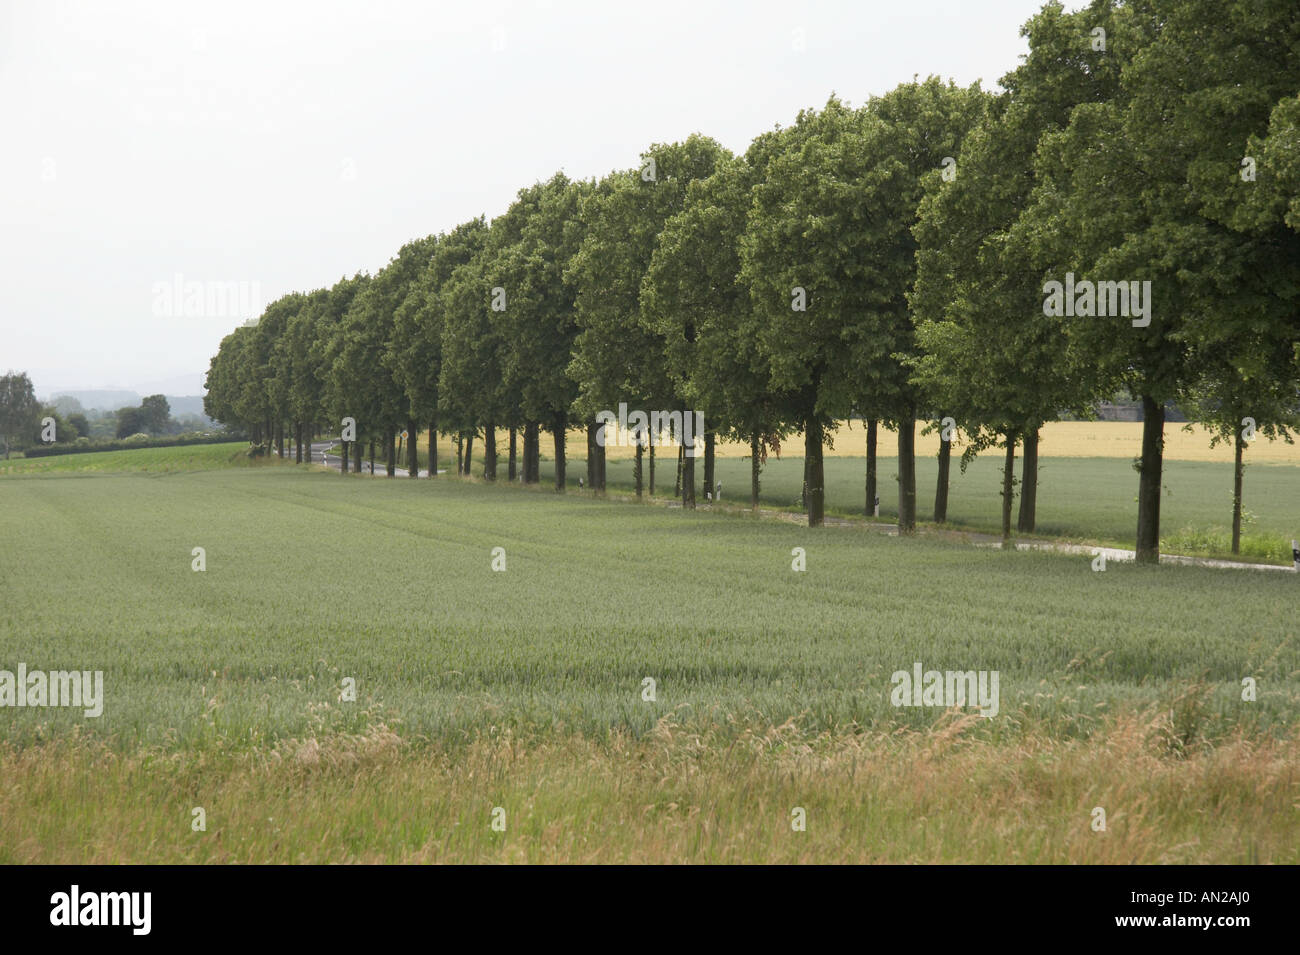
172 441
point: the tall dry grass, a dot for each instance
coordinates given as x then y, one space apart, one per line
941 795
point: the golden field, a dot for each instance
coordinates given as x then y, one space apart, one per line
1058 439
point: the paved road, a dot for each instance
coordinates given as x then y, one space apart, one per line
333 461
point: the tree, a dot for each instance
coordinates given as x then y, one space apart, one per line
540 324
693 298
18 407
415 348
1000 378
155 413
364 385
829 258
617 355
1142 187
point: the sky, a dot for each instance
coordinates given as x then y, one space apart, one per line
166 169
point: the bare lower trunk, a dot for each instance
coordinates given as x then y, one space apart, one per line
1029 483
652 470
814 472
356 457
591 456
510 460
710 444
490 451
1008 485
433 448
600 468
297 438
754 449
390 452
941 483
532 453
636 468
688 471
559 430
412 450
907 474
1153 440
469 453
460 453
1238 473
873 492
343 465
372 455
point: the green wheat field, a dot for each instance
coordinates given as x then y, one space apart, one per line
523 690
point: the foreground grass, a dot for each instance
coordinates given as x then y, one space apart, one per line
939 795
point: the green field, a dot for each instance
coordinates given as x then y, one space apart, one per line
312 578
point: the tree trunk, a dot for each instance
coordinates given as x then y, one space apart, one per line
591 456
688 471
652 470
433 448
511 472
600 467
803 488
390 452
1153 445
279 439
1029 483
490 451
710 445
460 453
469 453
754 449
297 436
677 486
372 455
636 468
1238 472
814 471
532 453
1008 484
941 484
412 450
872 488
558 430
343 465
356 457
907 473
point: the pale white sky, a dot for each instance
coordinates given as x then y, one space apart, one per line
283 145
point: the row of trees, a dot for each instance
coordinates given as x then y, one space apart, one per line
886 263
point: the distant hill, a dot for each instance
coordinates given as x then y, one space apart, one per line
105 400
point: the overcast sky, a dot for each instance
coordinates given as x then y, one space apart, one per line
284 145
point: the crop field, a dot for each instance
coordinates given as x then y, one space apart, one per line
524 686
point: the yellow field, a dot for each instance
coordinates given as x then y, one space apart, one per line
1059 439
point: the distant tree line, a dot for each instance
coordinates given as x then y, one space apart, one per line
27 424
890 263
